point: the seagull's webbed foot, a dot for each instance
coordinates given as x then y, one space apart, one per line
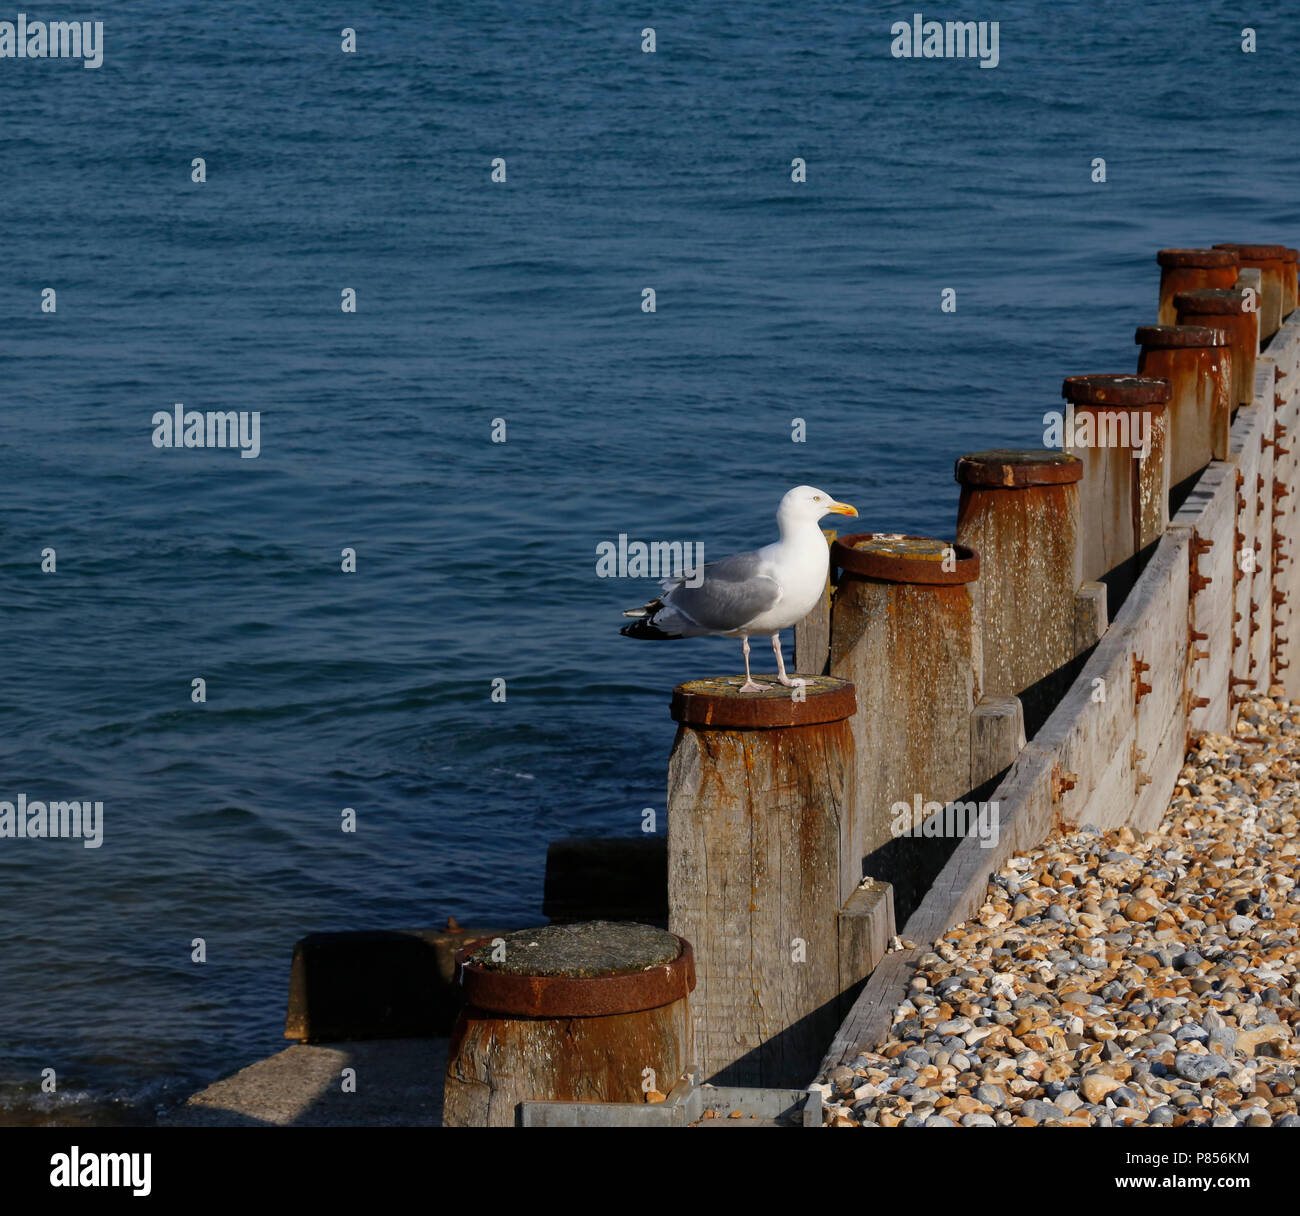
796 682
754 686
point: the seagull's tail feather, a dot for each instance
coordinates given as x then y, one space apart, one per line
647 631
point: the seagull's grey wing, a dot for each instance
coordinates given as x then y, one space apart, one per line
735 590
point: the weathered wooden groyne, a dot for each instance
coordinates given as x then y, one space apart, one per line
1098 605
1207 617
1101 600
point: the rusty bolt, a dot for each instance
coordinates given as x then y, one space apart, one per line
1279 597
1195 635
1200 702
1198 655
1201 544
1279 490
1198 582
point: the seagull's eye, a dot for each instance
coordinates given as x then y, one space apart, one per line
817 498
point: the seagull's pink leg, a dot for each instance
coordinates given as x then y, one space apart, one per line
780 666
750 685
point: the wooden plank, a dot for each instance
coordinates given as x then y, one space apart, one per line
1208 516
1160 641
1261 649
1247 431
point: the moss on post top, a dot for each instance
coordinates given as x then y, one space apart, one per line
580 951
719 703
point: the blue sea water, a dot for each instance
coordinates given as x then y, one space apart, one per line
479 300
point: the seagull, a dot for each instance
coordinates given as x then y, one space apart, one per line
762 591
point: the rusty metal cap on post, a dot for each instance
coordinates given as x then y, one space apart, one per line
1291 255
580 970
1256 253
1212 301
720 703
895 558
1015 469
1118 389
1179 336
1198 259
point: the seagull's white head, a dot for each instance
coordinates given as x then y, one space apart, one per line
807 504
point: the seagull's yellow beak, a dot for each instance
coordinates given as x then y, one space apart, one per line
843 508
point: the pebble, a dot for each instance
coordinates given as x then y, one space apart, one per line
1115 979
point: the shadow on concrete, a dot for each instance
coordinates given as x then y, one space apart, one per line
394 1083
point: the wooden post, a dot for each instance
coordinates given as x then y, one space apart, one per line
1189 270
567 1013
1197 362
903 628
1227 310
1019 510
1125 491
760 803
1271 262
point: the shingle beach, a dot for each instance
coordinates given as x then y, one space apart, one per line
1113 979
